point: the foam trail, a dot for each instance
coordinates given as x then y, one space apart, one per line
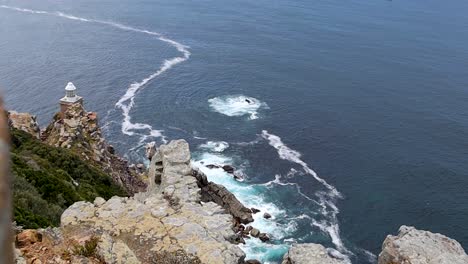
326 200
126 102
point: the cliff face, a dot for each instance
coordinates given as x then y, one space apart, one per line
166 224
79 131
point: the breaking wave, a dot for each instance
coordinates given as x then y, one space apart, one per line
216 146
325 199
239 105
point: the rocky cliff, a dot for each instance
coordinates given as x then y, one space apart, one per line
413 246
79 131
175 215
168 221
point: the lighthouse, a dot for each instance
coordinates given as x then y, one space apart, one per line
70 98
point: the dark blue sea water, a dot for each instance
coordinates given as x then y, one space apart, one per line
357 121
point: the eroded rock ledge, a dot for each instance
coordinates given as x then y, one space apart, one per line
413 246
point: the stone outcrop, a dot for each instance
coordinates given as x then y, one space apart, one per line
167 222
79 131
311 254
413 246
211 191
25 122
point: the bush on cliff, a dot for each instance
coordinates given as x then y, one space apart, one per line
46 180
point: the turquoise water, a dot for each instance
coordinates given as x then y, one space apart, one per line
356 120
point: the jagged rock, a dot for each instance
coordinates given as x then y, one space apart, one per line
266 215
79 131
25 122
413 246
263 237
310 254
220 195
141 227
254 210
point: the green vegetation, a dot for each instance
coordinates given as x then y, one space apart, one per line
88 249
46 180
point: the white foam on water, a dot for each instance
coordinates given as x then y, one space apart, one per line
216 146
237 105
250 196
326 199
126 102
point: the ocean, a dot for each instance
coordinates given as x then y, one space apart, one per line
347 119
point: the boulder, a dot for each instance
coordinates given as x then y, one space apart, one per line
263 237
311 254
212 166
229 169
421 247
266 215
254 232
28 237
254 210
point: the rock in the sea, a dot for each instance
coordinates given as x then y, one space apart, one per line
229 169
254 210
413 246
212 166
311 254
254 232
252 261
263 237
266 215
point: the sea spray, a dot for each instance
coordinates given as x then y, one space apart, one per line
237 105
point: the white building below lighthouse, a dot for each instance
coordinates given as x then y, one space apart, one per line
70 98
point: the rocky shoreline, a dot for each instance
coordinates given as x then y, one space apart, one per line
175 215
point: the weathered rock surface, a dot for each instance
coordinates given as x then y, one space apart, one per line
25 122
79 131
219 194
413 246
169 221
310 254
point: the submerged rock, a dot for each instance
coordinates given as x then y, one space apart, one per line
413 246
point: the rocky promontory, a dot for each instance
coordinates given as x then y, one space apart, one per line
174 214
413 246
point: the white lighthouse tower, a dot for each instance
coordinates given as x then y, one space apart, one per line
70 98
